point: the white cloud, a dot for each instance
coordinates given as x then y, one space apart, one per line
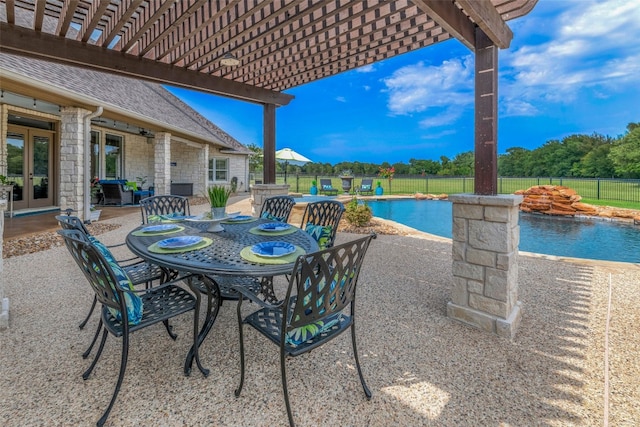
341 99
418 87
517 107
438 136
447 117
366 69
591 45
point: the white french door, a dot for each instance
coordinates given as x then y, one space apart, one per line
29 166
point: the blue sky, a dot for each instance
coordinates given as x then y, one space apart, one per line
573 67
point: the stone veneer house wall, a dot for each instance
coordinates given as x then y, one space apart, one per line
142 131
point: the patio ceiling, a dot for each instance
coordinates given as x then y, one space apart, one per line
280 44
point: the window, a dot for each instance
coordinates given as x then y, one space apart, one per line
113 156
106 155
219 169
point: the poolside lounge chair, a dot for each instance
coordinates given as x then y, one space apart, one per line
327 188
366 186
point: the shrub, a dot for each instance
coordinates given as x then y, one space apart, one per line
358 214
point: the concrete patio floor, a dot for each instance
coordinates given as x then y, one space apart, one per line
423 368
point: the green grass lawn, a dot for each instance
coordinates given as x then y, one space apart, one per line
609 192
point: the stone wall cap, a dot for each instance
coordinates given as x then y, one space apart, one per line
268 186
497 200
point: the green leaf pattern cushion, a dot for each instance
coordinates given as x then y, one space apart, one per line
267 215
165 217
297 336
322 234
132 301
304 333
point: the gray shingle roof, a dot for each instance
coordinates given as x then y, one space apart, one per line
139 97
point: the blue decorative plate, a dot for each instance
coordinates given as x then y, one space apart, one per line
240 218
273 249
179 242
160 227
179 217
274 226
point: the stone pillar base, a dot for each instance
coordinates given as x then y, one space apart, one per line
485 238
4 311
259 192
505 328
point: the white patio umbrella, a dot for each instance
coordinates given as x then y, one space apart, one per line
290 157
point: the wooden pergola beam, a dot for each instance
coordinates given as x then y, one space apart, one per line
486 16
483 14
22 41
486 115
452 19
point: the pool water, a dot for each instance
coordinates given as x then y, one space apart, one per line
313 199
570 237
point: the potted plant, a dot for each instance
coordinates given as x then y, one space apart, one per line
218 196
142 180
94 214
314 188
385 173
379 189
96 190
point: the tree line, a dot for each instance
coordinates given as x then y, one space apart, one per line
587 156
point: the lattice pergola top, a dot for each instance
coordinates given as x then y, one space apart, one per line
280 43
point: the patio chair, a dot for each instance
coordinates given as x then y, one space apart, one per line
321 219
326 188
319 305
277 208
115 192
163 205
125 310
138 270
366 186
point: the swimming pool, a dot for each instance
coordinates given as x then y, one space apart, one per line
571 237
312 199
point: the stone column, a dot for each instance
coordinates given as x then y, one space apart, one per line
259 192
200 184
162 163
72 159
4 308
485 262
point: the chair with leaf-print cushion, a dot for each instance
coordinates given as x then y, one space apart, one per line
319 305
321 219
277 208
140 271
163 207
125 310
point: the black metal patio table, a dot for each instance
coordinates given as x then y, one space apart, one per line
220 258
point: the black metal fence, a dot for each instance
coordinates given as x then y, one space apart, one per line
623 190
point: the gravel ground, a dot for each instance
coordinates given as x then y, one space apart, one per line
423 368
